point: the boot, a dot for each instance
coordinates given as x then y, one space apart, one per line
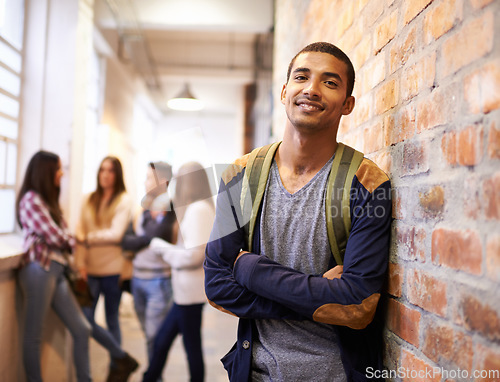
121 368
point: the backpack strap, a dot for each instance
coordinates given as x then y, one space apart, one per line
338 218
254 185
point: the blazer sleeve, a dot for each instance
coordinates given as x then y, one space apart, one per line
350 300
227 239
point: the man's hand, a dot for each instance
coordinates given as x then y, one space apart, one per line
237 257
83 273
334 273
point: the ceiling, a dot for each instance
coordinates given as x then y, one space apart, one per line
214 45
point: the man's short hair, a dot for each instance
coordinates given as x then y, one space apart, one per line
162 170
326 47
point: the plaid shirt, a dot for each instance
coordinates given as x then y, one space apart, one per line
42 234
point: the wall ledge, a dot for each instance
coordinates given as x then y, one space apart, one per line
11 249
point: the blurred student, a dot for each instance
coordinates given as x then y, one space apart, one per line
195 213
105 215
151 282
47 246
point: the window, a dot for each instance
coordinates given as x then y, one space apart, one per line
11 39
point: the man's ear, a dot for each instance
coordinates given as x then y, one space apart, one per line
348 105
283 94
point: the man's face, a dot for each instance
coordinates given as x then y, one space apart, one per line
315 95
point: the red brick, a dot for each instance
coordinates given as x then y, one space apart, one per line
384 160
373 73
373 138
386 96
418 77
481 89
354 139
401 208
493 257
362 52
475 38
372 12
346 18
449 147
460 250
389 127
494 142
480 317
438 342
413 8
490 82
480 3
385 31
400 53
362 110
443 344
440 19
415 369
488 364
403 321
437 108
491 196
411 242
401 126
432 201
362 4
427 292
415 158
395 282
345 125
349 40
470 198
470 145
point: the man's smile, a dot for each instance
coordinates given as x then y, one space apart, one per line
308 105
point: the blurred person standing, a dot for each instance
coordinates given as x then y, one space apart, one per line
151 282
105 215
47 245
195 213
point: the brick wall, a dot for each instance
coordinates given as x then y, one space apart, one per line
428 112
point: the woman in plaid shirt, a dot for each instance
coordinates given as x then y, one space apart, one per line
47 243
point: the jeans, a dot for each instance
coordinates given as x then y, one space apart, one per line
152 300
44 289
109 287
185 320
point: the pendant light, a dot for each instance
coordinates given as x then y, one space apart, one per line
185 101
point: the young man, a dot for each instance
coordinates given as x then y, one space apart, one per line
301 317
151 282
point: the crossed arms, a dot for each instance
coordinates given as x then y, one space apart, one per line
257 287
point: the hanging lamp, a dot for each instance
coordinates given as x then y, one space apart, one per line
185 101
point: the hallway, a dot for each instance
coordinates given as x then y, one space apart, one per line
219 334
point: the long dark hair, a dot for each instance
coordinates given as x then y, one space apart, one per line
40 177
119 186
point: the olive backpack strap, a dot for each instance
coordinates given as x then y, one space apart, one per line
338 218
254 185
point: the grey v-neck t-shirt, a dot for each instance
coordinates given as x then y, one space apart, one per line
294 234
